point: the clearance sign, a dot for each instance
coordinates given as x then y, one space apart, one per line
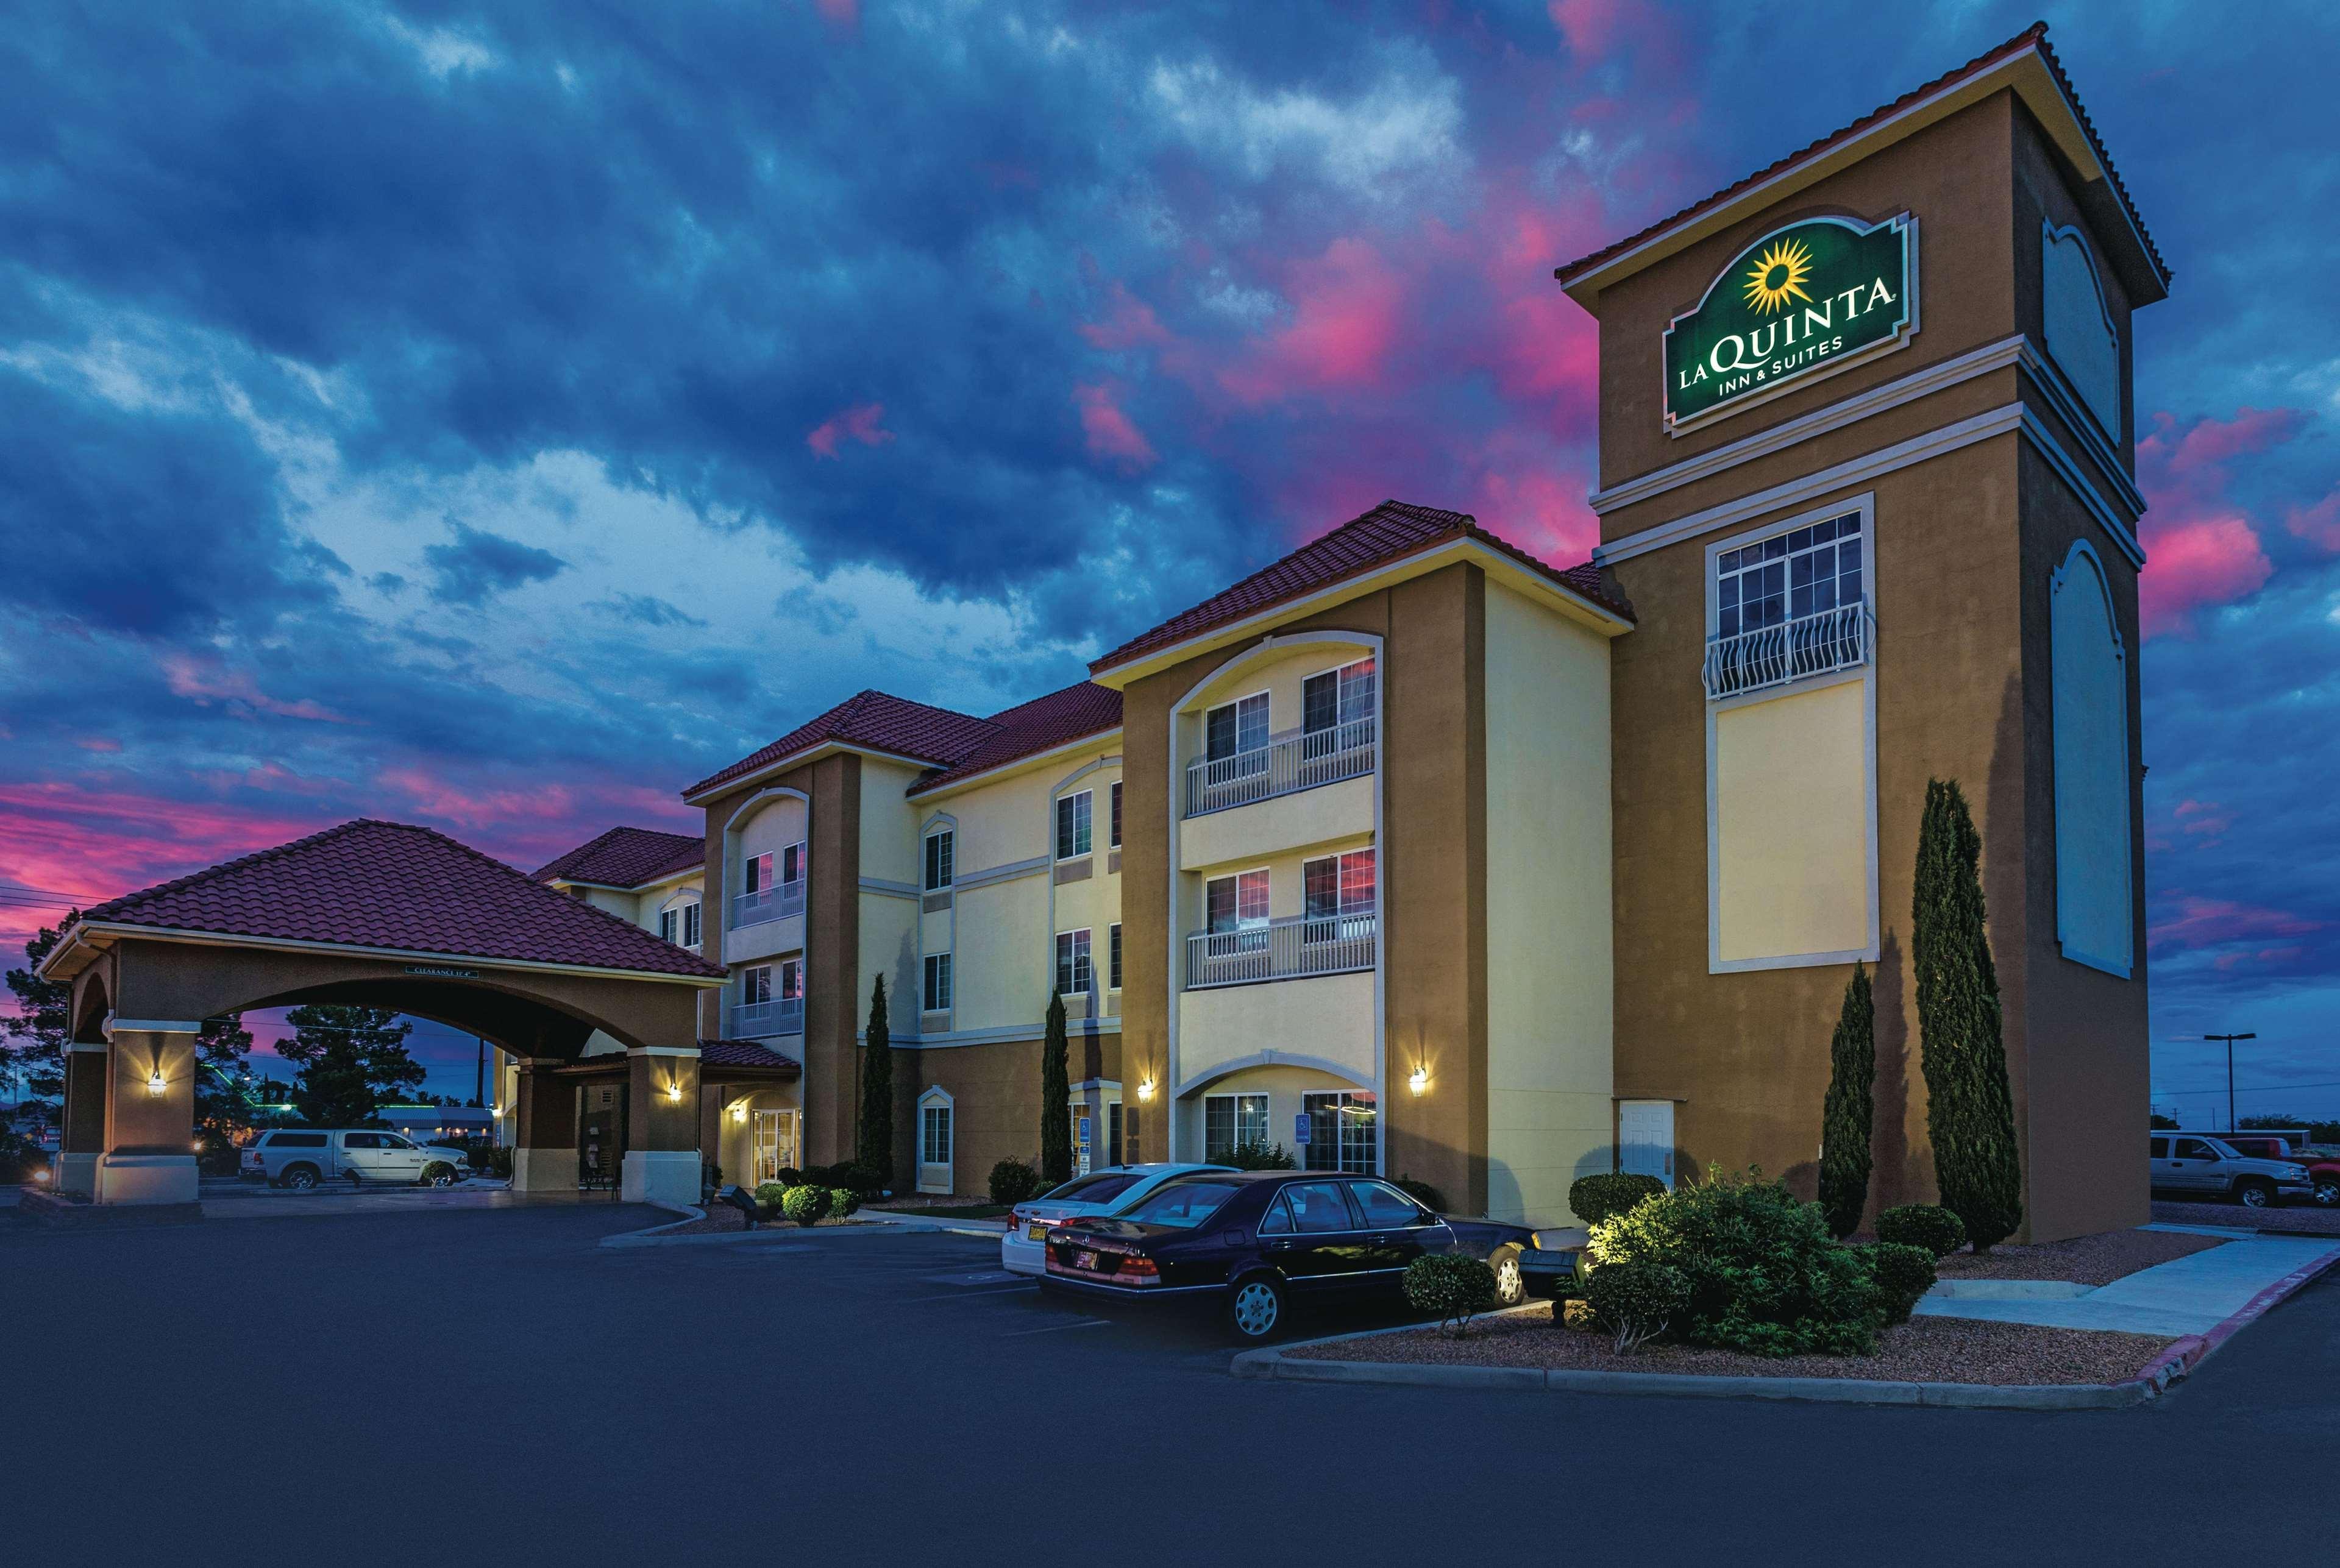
1800 302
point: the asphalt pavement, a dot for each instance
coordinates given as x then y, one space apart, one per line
493 1386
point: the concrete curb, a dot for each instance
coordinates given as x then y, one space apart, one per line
661 1235
2184 1355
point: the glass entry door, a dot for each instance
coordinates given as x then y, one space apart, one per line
775 1145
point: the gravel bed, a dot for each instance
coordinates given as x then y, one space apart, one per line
723 1216
2097 1259
2315 1219
1923 1350
933 1201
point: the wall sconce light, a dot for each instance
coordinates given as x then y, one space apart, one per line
1145 1090
1420 1080
674 1090
156 1083
740 1112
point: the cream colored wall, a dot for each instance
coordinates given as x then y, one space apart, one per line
1283 1087
1287 890
1791 798
889 921
889 822
1245 834
1330 1017
1282 676
778 823
1550 996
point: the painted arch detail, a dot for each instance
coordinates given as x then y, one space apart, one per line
2095 918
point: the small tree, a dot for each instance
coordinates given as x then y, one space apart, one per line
352 1059
1056 1101
33 1051
1845 1117
877 1090
1969 1111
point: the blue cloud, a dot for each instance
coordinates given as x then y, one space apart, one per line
480 565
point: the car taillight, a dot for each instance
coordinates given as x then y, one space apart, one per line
1143 1268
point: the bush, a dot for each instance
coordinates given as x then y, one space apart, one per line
767 1199
1903 1273
1451 1284
1257 1156
842 1201
491 1161
1422 1192
1013 1181
1598 1197
1637 1300
864 1179
805 1204
1762 1274
786 1175
1936 1229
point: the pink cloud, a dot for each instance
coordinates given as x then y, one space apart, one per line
1129 323
205 681
1541 510
2215 561
2201 550
2205 818
1587 27
1347 308
862 422
2318 524
840 12
1111 435
2203 922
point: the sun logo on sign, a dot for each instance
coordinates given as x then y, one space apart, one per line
1779 275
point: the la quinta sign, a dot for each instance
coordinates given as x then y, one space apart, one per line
1803 301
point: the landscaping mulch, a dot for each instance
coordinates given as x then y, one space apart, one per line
945 1208
2312 1219
2097 1260
1923 1350
723 1216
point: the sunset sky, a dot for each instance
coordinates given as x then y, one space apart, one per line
497 417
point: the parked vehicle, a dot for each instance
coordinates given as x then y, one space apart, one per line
305 1158
1257 1245
2323 1169
2190 1165
1024 1248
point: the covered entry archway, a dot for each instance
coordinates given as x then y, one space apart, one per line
379 914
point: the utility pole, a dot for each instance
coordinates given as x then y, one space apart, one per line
2230 1039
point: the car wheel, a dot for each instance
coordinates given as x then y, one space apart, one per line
1510 1286
2327 1192
439 1173
1256 1309
2256 1195
299 1178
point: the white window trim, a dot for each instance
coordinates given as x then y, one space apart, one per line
1113 947
1263 694
1268 1123
936 1098
1236 877
1056 825
1865 506
950 983
1057 971
951 833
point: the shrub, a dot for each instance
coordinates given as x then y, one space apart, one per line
1451 1284
866 1180
1422 1192
1903 1273
806 1204
1598 1197
842 1201
1257 1156
1936 1229
1637 1300
491 1161
786 1175
767 1198
1013 1181
1762 1274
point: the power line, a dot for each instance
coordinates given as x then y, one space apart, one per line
2262 1089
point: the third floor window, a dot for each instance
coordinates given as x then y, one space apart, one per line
1804 572
1073 832
940 854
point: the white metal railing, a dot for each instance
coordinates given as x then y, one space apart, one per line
1285 949
755 1020
1838 639
777 902
1284 765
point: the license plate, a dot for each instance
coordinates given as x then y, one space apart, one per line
1084 1260
1038 1232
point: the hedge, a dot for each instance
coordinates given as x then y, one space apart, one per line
1598 1197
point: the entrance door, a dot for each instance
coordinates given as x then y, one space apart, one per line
1645 1133
775 1144
601 1137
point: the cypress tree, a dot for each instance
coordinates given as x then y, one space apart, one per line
1055 1101
1845 1118
877 1137
1969 1113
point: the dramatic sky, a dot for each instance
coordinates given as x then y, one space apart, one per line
496 417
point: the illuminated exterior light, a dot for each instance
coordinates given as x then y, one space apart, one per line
740 1112
1420 1080
1145 1090
156 1084
674 1091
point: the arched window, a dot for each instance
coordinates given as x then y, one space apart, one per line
2095 921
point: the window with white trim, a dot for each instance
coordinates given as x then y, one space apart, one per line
756 984
941 852
791 980
1232 729
670 926
1236 903
691 928
934 1134
1114 971
1336 709
1338 894
1341 1131
792 862
1229 1120
1116 839
1788 576
756 872
1072 825
937 998
1073 976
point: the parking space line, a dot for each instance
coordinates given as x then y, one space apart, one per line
1058 1328
963 1294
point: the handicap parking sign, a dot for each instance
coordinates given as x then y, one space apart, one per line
1300 1128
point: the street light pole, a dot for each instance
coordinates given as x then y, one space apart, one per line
2230 1039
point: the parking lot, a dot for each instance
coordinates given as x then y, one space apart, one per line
506 1386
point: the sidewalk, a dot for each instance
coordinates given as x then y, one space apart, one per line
2186 1295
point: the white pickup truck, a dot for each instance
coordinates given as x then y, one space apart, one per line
306 1157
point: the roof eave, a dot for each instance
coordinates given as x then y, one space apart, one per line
1013 765
2024 71
709 789
113 930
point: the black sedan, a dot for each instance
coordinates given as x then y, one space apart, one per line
1258 1244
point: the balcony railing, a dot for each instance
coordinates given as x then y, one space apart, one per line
775 902
758 1020
1286 949
1838 639
1284 765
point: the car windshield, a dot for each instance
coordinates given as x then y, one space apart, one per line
1182 1204
1102 1188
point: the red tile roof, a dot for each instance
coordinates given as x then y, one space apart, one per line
628 857
745 1053
386 884
1030 728
877 720
2036 34
1389 532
